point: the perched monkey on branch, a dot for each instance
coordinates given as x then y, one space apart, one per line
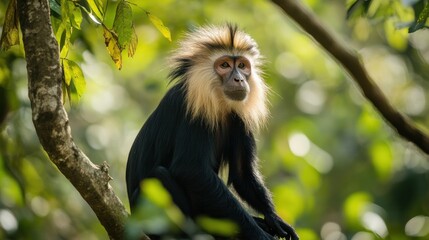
204 122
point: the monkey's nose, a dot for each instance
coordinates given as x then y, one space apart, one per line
238 79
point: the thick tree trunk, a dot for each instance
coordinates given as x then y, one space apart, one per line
51 121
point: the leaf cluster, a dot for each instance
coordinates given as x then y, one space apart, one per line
385 9
67 17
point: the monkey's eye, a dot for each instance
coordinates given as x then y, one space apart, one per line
224 65
241 65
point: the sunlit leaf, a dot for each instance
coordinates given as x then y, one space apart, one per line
71 17
123 27
369 124
12 191
307 234
133 44
96 7
355 205
86 7
123 24
73 76
156 193
60 32
223 227
66 90
382 159
76 18
10 33
65 47
397 38
111 41
65 29
159 25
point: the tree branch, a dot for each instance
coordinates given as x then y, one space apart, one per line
351 62
51 121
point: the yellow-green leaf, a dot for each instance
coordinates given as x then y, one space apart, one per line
111 41
382 158
66 89
73 77
123 24
224 227
66 72
66 43
355 205
397 38
63 34
133 44
95 10
156 193
65 29
76 18
10 33
159 25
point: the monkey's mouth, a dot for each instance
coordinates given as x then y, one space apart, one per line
236 94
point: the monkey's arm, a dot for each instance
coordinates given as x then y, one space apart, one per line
246 180
192 169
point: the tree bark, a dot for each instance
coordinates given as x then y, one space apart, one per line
50 119
349 59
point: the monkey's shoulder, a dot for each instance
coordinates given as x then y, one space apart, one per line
172 106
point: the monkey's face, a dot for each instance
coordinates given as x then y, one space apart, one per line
234 71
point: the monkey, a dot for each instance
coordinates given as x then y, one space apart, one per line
207 121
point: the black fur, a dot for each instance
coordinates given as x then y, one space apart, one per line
186 156
183 67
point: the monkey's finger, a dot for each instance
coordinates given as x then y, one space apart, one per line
278 229
262 224
289 229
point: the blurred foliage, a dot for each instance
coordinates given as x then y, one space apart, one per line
412 14
336 170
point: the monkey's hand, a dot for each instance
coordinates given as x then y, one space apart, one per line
280 228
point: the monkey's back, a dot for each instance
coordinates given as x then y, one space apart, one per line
154 144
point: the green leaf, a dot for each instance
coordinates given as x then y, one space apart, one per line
133 44
159 25
55 7
73 78
397 38
92 10
111 42
10 33
95 9
60 32
421 14
76 18
64 34
355 205
358 8
223 227
154 191
123 24
382 159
